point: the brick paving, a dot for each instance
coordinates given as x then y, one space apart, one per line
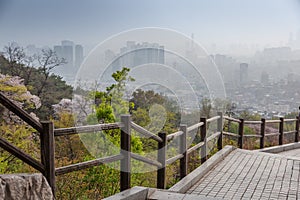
251 175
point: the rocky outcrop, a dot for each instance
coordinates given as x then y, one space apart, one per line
24 186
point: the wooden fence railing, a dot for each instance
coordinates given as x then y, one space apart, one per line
47 134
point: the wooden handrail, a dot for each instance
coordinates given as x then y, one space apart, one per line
145 132
11 106
231 134
252 122
21 155
273 121
146 160
232 119
86 129
212 119
173 159
213 136
195 126
174 135
87 164
193 148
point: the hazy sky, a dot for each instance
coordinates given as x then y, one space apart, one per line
88 22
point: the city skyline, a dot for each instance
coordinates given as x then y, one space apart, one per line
223 24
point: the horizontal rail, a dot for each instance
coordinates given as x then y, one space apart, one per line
197 146
174 135
87 164
252 136
11 106
290 120
230 134
289 132
252 122
173 159
146 160
213 136
145 132
86 129
232 119
213 119
273 121
272 134
21 155
195 126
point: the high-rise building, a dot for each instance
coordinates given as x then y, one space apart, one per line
67 53
73 57
243 73
78 55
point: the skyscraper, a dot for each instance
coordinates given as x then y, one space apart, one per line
78 55
243 73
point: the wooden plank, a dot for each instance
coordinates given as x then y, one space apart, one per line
48 152
193 148
241 134
231 134
281 131
297 129
232 119
203 133
273 121
262 133
20 113
252 136
86 129
21 155
125 171
288 132
183 151
220 129
174 135
252 122
87 164
161 157
272 134
290 120
212 119
173 159
213 136
195 126
146 160
145 132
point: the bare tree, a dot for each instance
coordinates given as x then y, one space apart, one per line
48 60
15 56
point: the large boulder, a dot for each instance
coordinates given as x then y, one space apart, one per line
24 186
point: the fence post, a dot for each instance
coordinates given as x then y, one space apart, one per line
48 152
161 157
220 129
204 140
241 134
297 129
183 150
125 150
281 131
262 133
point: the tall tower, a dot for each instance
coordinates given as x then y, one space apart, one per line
78 55
67 53
243 73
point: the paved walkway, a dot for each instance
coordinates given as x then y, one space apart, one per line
293 153
251 175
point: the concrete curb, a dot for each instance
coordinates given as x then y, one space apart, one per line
193 177
130 194
281 148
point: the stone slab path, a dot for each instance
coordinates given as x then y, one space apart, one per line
291 153
245 174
